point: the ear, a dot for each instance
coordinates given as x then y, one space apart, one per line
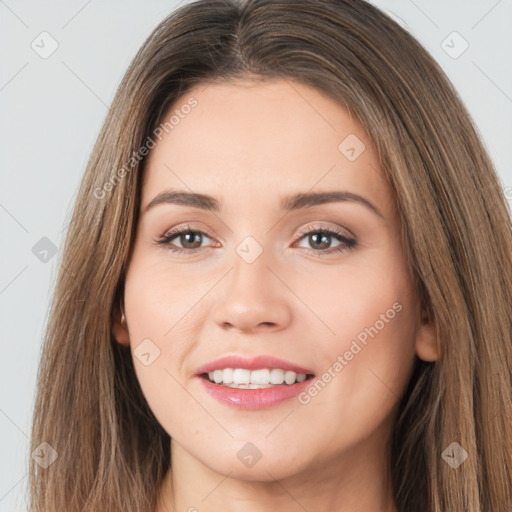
120 328
426 339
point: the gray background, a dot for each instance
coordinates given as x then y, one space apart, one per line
52 109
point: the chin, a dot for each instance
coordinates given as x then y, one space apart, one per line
248 465
262 471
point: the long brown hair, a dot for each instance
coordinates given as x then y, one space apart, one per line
111 451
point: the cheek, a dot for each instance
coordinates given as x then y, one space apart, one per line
157 360
358 299
158 310
365 374
157 298
369 309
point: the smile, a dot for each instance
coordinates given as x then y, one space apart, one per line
243 378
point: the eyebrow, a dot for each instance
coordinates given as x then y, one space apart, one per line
293 202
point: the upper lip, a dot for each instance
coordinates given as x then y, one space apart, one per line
253 363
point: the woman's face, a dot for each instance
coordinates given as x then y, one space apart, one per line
277 262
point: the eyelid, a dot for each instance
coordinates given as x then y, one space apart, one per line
298 234
185 229
318 226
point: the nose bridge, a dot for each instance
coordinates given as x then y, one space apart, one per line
253 295
250 274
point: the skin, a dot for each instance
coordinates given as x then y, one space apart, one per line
248 145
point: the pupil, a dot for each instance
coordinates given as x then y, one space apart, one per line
321 238
190 235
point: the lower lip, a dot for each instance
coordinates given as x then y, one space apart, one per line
254 398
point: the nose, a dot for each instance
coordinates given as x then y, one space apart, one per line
253 299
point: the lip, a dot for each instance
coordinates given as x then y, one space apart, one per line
254 363
253 398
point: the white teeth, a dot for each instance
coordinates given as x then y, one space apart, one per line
241 376
276 376
248 386
260 377
227 376
289 377
255 379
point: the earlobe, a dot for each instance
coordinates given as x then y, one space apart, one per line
426 340
120 329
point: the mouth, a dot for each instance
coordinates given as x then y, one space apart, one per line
261 382
242 378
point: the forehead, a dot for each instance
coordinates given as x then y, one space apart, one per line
263 139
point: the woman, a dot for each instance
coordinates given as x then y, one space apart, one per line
287 282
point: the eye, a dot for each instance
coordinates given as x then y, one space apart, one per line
320 237
191 239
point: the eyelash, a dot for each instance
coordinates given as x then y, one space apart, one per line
348 243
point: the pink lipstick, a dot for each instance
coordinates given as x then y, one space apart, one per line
256 383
